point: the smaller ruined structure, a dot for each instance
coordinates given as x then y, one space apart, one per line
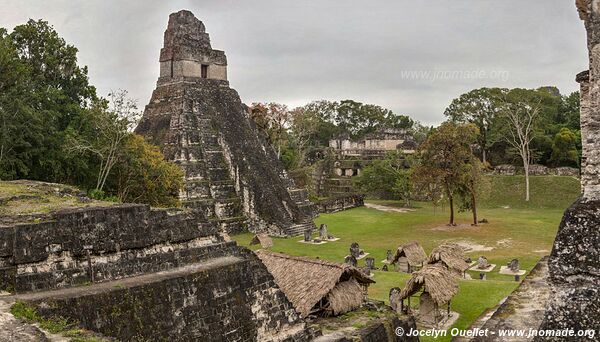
535 170
435 286
317 287
389 257
375 144
513 268
395 300
452 256
347 158
340 203
307 235
409 257
264 240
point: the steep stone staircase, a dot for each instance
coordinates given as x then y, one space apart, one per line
208 184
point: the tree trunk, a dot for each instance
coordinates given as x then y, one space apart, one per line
451 200
484 156
474 204
526 168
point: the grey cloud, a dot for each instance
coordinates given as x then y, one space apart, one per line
297 51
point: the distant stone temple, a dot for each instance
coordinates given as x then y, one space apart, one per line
231 173
333 178
375 144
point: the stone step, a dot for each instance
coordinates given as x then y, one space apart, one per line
299 195
74 271
127 283
299 229
218 174
223 190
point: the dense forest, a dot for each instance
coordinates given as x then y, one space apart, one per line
55 127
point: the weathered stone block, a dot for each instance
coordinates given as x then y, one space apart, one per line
576 249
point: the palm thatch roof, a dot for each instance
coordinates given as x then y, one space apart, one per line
434 279
412 251
451 255
264 240
345 296
306 281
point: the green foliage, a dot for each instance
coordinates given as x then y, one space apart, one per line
100 195
307 130
358 119
478 107
389 178
142 175
54 325
446 162
483 107
564 148
44 93
22 310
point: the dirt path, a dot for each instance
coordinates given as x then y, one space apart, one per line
388 208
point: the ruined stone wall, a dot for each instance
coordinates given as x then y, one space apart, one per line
590 103
335 204
99 244
376 329
535 170
231 299
139 274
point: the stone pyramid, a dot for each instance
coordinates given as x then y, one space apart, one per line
231 172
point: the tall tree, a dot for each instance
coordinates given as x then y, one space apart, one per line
20 128
304 126
472 185
56 94
478 107
445 159
521 109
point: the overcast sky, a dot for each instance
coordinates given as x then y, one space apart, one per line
411 56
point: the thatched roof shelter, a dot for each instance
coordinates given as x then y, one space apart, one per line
316 285
451 255
414 253
434 279
264 240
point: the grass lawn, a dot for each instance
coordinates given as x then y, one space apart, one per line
516 229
